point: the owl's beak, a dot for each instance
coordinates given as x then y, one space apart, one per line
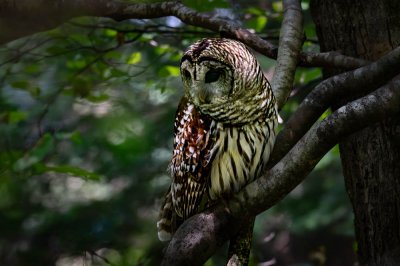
202 94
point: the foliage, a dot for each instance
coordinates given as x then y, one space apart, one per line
87 112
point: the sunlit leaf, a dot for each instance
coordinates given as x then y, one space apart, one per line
325 114
258 23
110 32
255 11
162 49
169 71
277 6
134 58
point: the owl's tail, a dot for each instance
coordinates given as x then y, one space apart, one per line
166 225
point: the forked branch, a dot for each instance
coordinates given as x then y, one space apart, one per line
359 82
202 234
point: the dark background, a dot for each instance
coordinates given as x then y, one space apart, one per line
86 117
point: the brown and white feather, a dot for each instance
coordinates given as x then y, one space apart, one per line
224 128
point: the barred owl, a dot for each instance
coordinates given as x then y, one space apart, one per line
224 128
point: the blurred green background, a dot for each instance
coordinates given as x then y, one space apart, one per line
86 122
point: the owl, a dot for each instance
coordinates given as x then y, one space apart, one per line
224 129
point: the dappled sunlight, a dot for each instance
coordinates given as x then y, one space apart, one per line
65 192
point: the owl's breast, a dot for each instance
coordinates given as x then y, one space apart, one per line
241 155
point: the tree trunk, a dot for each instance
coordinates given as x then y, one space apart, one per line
370 157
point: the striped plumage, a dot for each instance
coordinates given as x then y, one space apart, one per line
224 128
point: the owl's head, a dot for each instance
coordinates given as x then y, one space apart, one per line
220 72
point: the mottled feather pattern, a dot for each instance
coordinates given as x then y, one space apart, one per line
188 167
224 128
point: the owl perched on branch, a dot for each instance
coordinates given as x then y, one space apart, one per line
224 128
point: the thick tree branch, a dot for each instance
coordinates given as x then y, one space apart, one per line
197 238
290 42
61 11
331 59
359 82
24 17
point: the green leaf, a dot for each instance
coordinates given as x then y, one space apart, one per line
81 86
56 50
16 116
117 73
277 6
110 32
310 31
134 58
37 154
76 63
98 98
32 69
76 137
20 84
162 49
258 23
207 5
255 11
325 114
113 55
169 71
71 170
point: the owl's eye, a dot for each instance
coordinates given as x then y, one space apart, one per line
212 76
186 74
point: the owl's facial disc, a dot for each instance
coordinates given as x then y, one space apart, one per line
206 82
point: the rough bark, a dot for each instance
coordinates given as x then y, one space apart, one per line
370 157
290 42
198 237
360 81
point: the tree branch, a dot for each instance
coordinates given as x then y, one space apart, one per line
290 42
198 237
360 82
331 59
24 17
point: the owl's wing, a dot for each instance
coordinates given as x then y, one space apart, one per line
189 167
